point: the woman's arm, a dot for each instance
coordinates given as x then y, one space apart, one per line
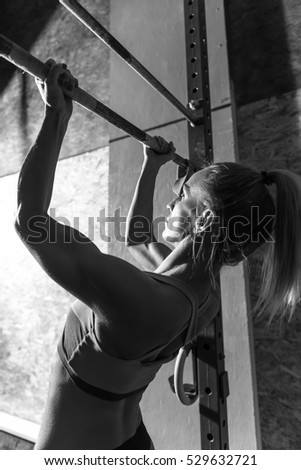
140 238
46 239
66 255
37 174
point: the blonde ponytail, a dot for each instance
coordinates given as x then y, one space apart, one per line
281 286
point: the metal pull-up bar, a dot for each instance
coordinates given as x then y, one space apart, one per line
30 64
91 23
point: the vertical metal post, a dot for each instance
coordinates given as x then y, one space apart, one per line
213 387
200 143
212 377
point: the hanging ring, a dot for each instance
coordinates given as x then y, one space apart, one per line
187 394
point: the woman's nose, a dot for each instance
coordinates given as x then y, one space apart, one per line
171 204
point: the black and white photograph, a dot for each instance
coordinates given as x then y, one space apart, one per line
150 199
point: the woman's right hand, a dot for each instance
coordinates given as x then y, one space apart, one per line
56 90
158 151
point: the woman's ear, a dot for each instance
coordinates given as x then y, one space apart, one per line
204 222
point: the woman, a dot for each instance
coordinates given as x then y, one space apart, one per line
126 323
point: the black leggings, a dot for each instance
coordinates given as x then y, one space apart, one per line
140 440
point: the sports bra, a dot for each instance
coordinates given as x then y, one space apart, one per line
108 377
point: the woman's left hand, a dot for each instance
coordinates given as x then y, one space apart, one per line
159 151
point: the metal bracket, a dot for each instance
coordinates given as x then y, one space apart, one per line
195 104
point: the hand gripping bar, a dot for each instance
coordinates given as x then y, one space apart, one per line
30 64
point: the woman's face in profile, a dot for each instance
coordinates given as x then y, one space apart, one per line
183 208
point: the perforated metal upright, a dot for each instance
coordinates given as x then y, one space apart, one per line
209 352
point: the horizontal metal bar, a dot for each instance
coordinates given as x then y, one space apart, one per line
30 64
101 32
154 128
